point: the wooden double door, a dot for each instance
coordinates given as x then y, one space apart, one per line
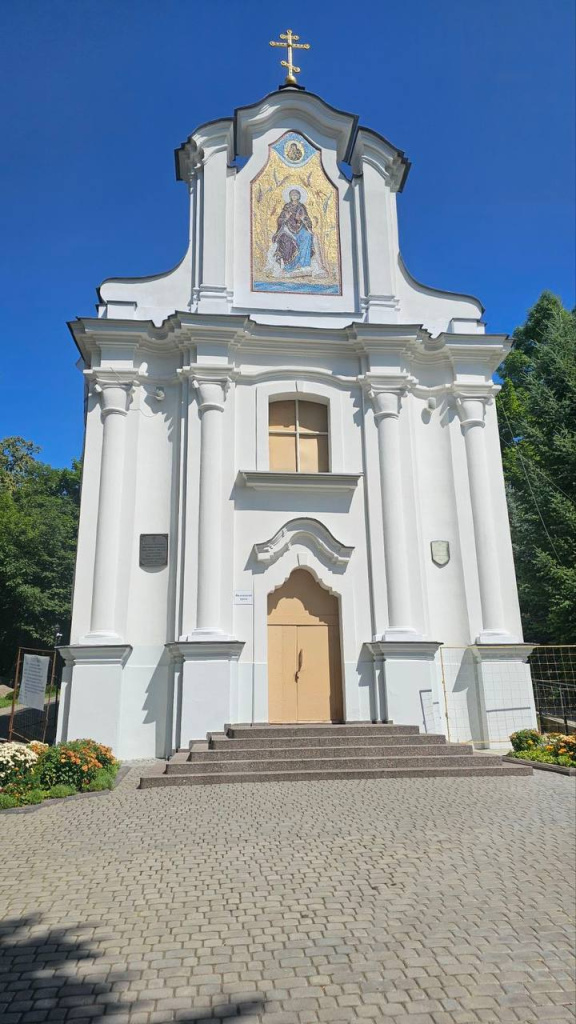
304 660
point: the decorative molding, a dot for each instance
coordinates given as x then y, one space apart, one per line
421 650
268 480
373 150
199 650
101 654
306 531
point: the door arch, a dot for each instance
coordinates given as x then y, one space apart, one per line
304 659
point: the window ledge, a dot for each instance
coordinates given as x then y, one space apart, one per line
274 481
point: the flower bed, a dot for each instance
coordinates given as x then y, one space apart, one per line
33 772
548 748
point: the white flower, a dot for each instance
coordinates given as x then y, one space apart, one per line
15 757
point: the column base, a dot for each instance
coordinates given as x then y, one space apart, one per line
204 635
401 634
406 682
208 683
91 692
496 636
101 636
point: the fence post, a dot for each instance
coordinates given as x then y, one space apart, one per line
16 673
564 712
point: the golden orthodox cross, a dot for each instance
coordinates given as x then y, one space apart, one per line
291 43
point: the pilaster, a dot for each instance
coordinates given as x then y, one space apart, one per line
211 389
471 402
386 394
114 391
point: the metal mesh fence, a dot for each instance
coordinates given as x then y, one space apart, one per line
486 693
554 680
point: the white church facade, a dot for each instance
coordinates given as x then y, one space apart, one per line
293 491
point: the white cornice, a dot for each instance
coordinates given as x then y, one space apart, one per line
240 333
268 480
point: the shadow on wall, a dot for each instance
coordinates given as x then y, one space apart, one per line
44 972
467 686
159 704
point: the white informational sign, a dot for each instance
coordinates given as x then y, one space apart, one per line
243 597
33 683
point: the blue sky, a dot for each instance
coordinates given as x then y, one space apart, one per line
479 93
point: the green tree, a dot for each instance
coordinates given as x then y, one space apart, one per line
537 416
39 508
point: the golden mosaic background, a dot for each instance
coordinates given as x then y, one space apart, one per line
322 204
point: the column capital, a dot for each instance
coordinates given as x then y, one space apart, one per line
471 401
386 392
113 389
211 391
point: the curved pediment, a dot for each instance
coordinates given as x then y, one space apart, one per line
309 532
309 112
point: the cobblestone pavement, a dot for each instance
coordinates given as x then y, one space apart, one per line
441 901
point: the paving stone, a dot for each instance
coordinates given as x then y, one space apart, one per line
404 901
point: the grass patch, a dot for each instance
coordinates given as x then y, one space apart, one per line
7 801
60 791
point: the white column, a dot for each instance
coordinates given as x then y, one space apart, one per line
472 411
211 398
114 400
387 403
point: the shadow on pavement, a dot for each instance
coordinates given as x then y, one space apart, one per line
39 982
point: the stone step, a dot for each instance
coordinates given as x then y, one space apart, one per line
232 752
319 764
320 729
493 767
219 741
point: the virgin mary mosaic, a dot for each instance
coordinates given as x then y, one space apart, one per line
295 238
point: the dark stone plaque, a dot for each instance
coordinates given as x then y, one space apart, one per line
153 550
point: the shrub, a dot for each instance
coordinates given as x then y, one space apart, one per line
102 754
533 755
526 739
38 747
16 760
561 746
7 801
73 764
60 791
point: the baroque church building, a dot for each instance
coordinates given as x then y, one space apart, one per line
293 491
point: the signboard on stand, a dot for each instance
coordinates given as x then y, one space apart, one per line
33 683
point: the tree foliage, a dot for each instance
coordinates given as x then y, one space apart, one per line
537 416
38 529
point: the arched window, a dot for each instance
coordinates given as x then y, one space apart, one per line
298 436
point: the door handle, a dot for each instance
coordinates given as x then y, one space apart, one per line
300 661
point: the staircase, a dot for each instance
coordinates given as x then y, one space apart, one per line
282 753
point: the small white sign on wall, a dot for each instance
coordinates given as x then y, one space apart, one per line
243 597
33 682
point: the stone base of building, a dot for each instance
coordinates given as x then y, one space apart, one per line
146 702
505 692
206 688
405 681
